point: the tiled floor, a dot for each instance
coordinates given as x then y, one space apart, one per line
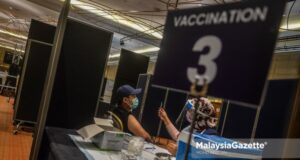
12 147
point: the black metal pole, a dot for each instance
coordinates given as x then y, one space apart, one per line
50 77
187 147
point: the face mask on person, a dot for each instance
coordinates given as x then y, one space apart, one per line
135 103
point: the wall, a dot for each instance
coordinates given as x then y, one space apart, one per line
285 66
111 71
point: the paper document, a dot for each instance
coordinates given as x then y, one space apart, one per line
103 122
90 131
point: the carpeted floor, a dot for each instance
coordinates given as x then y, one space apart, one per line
12 147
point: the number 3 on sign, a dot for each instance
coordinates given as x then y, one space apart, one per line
207 60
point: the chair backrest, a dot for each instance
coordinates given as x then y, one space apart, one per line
116 121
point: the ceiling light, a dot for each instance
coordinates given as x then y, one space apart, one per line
13 34
125 20
152 49
291 26
11 48
145 50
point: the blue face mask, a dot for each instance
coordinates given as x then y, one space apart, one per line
135 103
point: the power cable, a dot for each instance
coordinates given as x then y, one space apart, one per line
288 19
288 16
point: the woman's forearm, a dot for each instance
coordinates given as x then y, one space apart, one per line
174 133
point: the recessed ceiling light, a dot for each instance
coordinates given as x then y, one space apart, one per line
144 50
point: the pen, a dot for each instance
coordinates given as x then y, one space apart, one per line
160 122
150 147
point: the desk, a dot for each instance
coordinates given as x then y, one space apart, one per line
57 145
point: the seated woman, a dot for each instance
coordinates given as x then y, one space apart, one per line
205 121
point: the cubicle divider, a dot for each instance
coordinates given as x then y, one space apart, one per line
41 31
275 114
79 75
239 121
34 69
32 81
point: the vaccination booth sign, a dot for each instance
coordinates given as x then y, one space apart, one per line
229 45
